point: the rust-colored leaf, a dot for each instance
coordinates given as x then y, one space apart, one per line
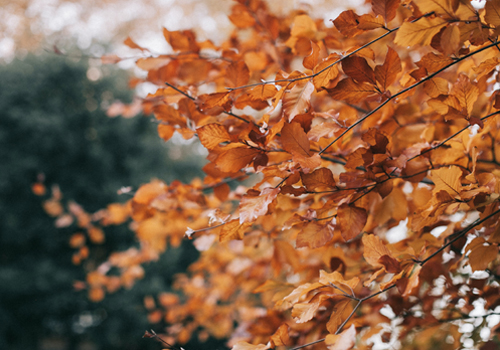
326 72
314 236
236 158
294 140
385 8
253 206
358 69
387 73
237 74
481 256
374 250
297 100
350 220
352 92
319 179
211 135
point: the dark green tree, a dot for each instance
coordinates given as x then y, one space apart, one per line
52 122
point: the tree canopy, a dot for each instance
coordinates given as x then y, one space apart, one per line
352 189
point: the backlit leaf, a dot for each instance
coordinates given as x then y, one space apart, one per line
297 100
314 235
251 207
237 74
387 73
374 249
447 179
211 135
419 32
385 8
326 72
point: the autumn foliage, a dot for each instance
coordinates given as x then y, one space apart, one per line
321 141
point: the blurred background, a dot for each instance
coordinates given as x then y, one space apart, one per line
54 127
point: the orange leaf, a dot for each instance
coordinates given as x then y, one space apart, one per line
328 74
220 101
466 92
130 43
343 341
251 207
294 139
296 100
369 22
319 179
481 256
420 32
240 16
347 23
165 131
281 336
340 310
350 220
447 179
233 230
237 74
314 236
337 279
374 249
386 74
183 41
211 135
358 69
236 158
385 8
352 92
492 15
311 61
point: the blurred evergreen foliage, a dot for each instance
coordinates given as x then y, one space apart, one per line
52 122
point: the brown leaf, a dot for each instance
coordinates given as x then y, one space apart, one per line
240 16
294 139
320 179
252 207
236 158
314 236
297 100
369 22
211 135
183 41
237 74
343 341
358 69
447 179
420 32
386 74
233 230
339 312
492 15
481 256
350 220
347 23
326 72
352 92
281 336
374 249
335 278
385 8
466 92
165 131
